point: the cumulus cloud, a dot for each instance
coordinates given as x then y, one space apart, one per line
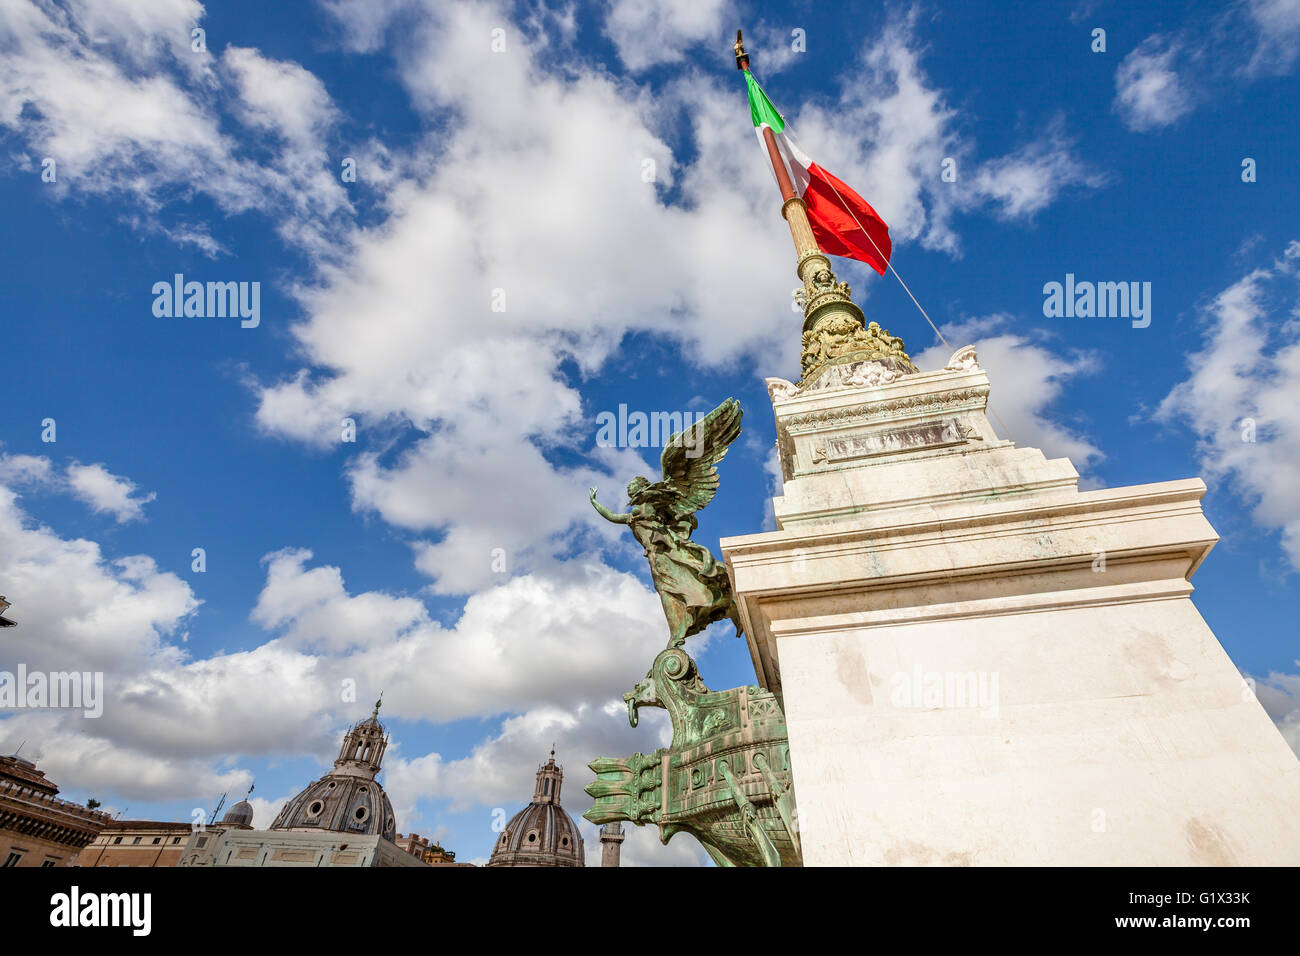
1239 399
107 492
648 32
95 485
531 641
1148 91
115 94
117 775
499 770
26 470
92 612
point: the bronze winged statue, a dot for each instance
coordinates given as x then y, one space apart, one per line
693 587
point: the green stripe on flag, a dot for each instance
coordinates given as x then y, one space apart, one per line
761 108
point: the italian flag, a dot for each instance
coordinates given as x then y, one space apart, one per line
842 222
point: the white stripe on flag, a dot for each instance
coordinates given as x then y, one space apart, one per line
795 159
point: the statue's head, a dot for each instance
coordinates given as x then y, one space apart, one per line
636 486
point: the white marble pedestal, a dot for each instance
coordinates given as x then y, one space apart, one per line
981 664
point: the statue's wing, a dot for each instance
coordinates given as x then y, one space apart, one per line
689 457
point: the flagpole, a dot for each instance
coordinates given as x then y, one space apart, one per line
793 209
827 339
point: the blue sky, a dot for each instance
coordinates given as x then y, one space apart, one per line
516 177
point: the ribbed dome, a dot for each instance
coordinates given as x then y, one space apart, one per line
543 833
344 804
240 815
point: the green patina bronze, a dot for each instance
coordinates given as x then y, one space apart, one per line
726 778
693 586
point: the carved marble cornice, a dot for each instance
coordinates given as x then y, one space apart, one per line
908 405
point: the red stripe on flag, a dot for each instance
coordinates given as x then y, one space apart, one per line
834 227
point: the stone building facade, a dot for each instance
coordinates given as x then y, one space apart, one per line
293 848
37 828
136 843
146 843
431 853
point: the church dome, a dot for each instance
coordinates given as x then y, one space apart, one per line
342 805
240 815
543 833
348 799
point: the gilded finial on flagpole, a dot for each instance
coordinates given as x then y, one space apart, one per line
742 58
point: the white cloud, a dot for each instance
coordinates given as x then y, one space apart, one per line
290 104
280 96
26 470
107 492
363 23
1148 91
84 611
1240 397
570 640
1026 378
649 32
112 772
567 644
95 485
92 612
313 610
1027 181
500 770
144 31
534 640
265 811
114 94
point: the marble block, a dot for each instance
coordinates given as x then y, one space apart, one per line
980 663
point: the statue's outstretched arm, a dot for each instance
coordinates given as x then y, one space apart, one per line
607 514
